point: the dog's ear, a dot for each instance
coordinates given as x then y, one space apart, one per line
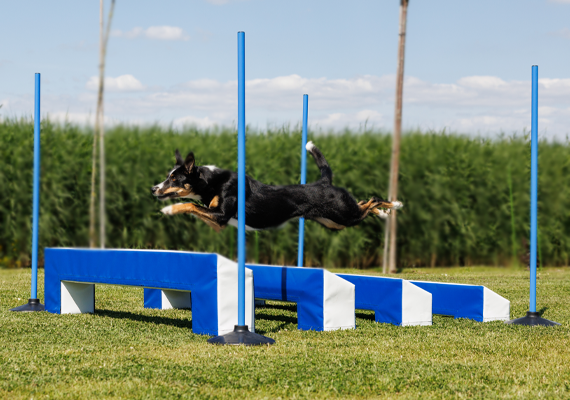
179 160
189 162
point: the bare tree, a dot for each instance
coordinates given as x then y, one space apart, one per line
99 132
389 261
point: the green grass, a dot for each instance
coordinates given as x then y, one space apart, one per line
125 351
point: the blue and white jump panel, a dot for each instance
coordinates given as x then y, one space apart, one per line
394 301
210 280
325 301
466 301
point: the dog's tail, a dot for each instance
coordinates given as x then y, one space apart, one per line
326 171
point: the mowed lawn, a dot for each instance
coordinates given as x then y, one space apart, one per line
125 351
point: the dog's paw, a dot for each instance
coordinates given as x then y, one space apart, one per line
396 205
310 146
380 212
167 210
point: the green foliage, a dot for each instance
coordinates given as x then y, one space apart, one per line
455 190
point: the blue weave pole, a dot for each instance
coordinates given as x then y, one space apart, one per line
241 334
533 317
36 195
533 186
303 177
241 178
34 303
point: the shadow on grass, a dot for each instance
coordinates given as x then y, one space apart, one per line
284 306
365 315
187 323
153 319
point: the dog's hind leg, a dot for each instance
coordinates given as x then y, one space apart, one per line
378 206
326 171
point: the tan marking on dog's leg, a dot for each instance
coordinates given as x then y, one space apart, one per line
214 203
329 224
190 208
380 212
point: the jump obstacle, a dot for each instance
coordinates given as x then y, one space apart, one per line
210 280
325 301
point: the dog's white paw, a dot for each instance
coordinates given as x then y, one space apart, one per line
396 205
384 214
310 146
167 210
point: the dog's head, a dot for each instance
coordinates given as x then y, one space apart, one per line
181 182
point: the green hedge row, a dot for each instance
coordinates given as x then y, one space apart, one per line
455 189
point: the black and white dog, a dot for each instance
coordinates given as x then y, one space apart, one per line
266 206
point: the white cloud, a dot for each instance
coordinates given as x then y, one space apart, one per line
164 32
190 120
473 104
564 32
123 83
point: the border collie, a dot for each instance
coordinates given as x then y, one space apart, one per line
215 192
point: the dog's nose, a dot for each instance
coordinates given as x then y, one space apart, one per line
153 189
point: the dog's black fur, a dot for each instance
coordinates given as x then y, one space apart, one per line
267 206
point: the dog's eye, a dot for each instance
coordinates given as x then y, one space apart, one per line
173 178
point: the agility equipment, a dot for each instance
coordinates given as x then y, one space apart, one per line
300 248
34 303
394 301
532 316
210 280
325 301
466 301
241 333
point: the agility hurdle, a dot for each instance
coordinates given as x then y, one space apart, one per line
402 302
209 280
394 301
466 301
325 302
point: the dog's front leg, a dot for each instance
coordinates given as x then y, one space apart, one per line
200 212
180 208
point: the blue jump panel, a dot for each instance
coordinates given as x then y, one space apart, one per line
466 301
394 301
324 301
179 271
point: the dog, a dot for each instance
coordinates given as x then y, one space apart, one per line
267 206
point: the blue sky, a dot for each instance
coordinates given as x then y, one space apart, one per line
468 64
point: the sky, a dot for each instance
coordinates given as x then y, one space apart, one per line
174 62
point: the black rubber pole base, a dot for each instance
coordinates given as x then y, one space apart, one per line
241 335
532 319
33 305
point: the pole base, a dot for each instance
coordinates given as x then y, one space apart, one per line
241 335
33 305
532 319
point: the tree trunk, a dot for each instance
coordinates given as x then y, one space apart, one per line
100 133
394 167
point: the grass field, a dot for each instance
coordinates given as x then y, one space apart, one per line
125 351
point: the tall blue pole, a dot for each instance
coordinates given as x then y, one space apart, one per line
533 186
241 334
241 178
303 177
532 317
36 192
